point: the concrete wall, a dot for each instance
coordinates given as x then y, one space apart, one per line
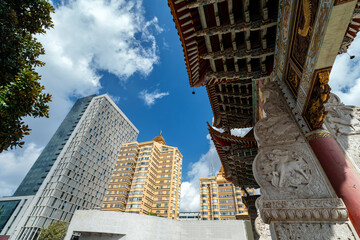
136 227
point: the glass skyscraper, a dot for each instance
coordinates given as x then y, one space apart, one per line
73 170
38 172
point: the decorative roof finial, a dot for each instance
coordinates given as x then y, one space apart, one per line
160 132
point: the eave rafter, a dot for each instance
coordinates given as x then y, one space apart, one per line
228 139
237 169
238 27
203 2
231 104
213 78
240 54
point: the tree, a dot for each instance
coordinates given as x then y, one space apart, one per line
20 90
56 231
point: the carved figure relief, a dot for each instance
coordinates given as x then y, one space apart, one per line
344 120
286 169
289 172
344 123
315 113
278 126
285 163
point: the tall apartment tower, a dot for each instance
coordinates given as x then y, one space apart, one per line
146 179
220 199
73 170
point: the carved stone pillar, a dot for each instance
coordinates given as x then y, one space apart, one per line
343 122
297 200
249 202
343 136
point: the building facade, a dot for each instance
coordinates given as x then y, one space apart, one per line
146 180
221 200
73 170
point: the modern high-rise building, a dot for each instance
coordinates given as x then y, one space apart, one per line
220 199
73 170
146 179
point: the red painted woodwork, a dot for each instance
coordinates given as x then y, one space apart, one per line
342 176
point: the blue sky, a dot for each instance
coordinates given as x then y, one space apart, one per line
131 50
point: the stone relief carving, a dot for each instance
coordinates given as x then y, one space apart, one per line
277 127
286 169
262 229
310 230
293 187
289 172
304 209
343 122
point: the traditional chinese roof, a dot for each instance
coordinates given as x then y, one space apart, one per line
226 40
226 139
232 104
352 30
237 167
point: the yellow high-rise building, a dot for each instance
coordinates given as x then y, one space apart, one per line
221 200
146 179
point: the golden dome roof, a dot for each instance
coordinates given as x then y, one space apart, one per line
159 139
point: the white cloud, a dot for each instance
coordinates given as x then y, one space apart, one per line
150 97
190 190
14 166
345 75
116 99
88 37
240 132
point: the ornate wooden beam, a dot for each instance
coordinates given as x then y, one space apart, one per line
240 54
203 2
213 78
237 27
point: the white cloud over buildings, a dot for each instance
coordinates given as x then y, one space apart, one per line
150 97
190 190
88 37
14 166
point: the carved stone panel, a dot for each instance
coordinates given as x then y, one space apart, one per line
289 172
330 209
313 230
343 122
293 187
278 127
